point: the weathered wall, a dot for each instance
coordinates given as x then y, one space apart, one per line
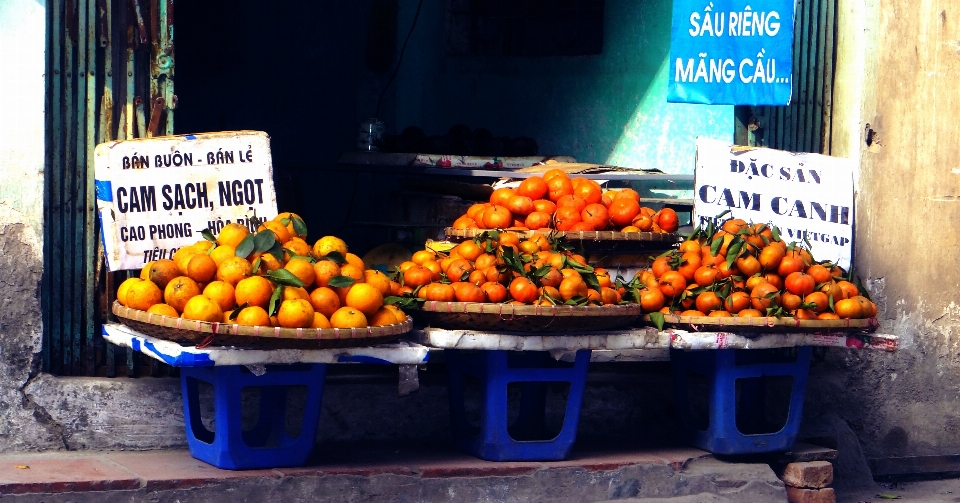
22 29
908 141
22 424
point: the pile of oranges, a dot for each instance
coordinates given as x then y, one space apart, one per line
556 201
746 270
502 267
272 277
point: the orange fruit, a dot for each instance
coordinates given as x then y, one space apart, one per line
378 280
848 308
124 288
497 217
849 289
365 298
416 276
221 253
296 313
164 310
267 262
554 172
469 250
523 290
348 317
328 244
590 191
763 296
668 220
234 269
558 187
320 321
160 272
255 291
222 293
383 317
324 271
651 299
534 187
572 286
203 309
544 206
142 294
672 283
572 200
355 261
200 267
178 291
595 215
295 292
628 193
464 223
623 211
422 256
303 270
279 230
566 217
325 301
501 196
253 316
352 271
297 246
819 273
289 218
400 315
494 291
232 234
520 205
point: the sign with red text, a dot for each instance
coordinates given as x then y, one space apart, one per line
809 197
155 195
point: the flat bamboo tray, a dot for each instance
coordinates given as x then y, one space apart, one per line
765 324
513 318
205 333
648 237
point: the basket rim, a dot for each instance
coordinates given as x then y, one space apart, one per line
528 310
767 322
655 237
259 332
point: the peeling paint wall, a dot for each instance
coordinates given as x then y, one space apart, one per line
898 105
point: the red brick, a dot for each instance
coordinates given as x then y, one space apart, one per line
810 474
797 495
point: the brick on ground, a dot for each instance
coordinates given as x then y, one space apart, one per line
798 495
809 474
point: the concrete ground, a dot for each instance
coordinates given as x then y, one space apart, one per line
930 491
388 473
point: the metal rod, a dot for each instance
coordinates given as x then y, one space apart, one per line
91 295
68 190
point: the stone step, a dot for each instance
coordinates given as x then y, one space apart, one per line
387 472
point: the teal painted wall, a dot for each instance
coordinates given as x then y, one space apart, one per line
609 108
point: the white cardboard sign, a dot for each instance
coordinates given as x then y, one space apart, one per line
808 196
155 195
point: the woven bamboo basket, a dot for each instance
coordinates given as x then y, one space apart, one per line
513 318
227 334
765 324
647 237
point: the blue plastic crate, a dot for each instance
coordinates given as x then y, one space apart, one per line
722 368
494 439
267 444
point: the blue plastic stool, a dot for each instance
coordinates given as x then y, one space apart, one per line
722 368
267 445
494 439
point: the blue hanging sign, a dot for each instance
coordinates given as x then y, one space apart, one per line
731 52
